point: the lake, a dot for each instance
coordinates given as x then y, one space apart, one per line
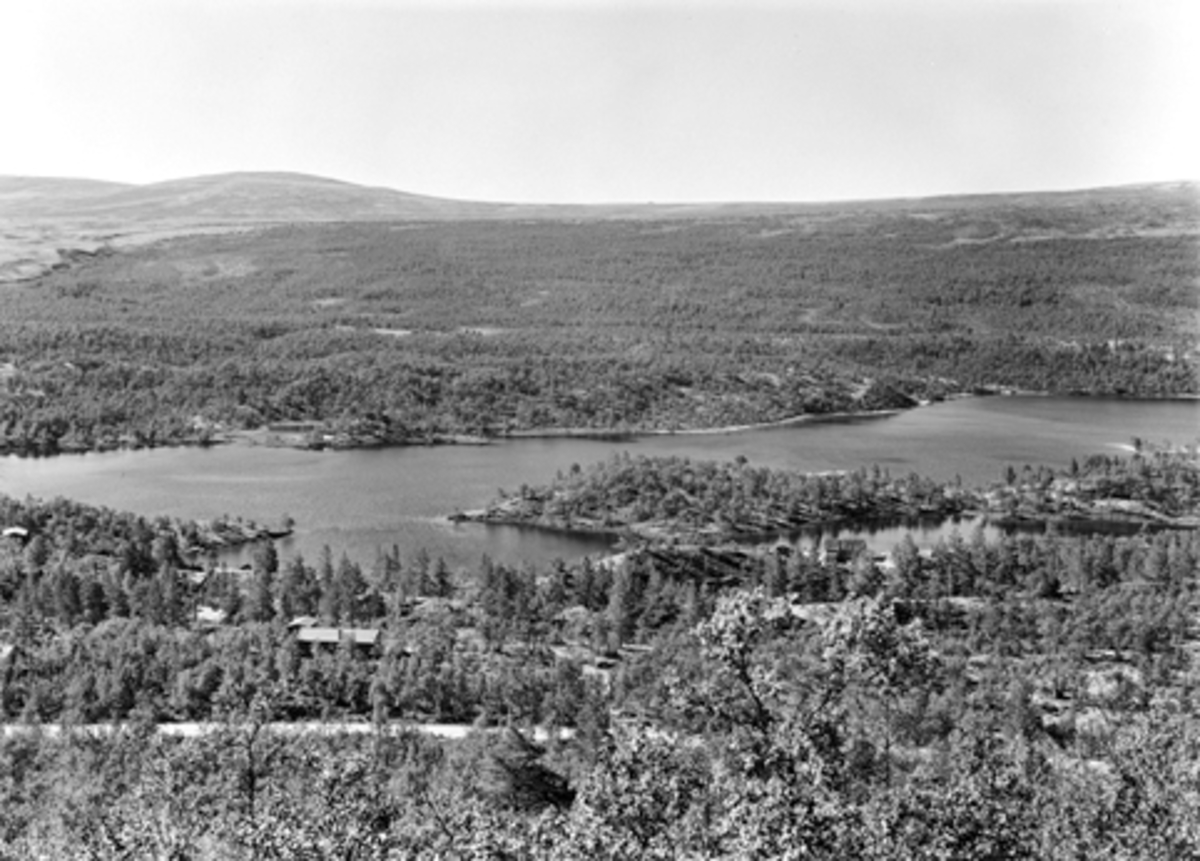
358 501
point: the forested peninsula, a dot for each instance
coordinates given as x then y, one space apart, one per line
351 334
702 501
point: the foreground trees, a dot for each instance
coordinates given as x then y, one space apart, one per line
1031 697
753 761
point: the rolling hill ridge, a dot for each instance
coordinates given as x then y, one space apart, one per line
45 220
259 197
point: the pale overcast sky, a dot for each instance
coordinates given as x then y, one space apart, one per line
598 100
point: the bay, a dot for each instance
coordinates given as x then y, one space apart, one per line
361 500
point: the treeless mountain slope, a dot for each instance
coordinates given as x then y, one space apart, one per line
289 197
43 219
239 197
272 197
19 192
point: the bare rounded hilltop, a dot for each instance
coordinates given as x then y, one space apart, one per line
45 219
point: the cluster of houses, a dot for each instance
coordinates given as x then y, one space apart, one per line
313 636
843 551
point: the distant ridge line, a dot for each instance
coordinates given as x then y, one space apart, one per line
262 198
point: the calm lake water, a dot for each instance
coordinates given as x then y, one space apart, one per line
358 501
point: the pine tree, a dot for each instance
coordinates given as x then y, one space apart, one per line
93 601
420 569
68 601
174 609
116 598
260 602
349 587
327 600
622 605
443 582
298 590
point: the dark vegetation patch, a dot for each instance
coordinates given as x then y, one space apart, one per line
540 324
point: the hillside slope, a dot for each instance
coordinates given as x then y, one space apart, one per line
44 219
411 330
285 196
236 197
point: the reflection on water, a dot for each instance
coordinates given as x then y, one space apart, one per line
883 537
359 501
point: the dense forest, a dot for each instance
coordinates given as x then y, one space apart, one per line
717 689
706 501
1027 697
411 332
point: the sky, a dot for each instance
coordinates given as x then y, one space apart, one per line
609 100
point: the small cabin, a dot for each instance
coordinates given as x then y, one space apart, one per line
312 637
841 551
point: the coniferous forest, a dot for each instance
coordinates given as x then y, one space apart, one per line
716 689
691 697
416 332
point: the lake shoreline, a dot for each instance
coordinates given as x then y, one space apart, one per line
267 438
357 501
318 438
790 421
650 534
